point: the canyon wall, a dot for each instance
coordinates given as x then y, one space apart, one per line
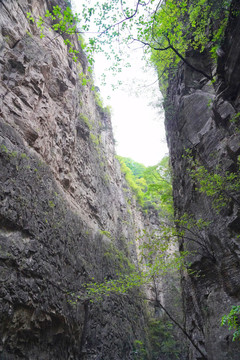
203 132
67 216
66 213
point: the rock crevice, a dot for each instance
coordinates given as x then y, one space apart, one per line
61 192
202 122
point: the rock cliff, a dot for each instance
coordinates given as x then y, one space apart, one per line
202 117
66 213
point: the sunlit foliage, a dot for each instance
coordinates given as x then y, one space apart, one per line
152 185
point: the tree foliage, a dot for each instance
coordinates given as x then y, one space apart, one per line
232 320
159 191
166 30
219 185
63 22
180 26
136 183
136 168
152 185
169 346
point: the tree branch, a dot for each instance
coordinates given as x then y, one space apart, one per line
123 20
181 328
152 47
187 62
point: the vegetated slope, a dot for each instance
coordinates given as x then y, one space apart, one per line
151 185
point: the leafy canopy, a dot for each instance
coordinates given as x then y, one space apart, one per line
166 30
179 26
151 185
232 320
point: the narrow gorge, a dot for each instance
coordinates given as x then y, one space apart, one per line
68 217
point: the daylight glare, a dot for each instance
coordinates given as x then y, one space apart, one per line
138 123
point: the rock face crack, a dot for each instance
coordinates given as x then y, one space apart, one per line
203 118
61 190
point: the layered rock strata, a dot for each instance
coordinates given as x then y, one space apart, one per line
65 212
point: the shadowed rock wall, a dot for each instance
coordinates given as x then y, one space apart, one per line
61 193
199 117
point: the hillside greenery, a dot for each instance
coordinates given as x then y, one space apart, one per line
151 185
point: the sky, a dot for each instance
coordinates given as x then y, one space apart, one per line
138 124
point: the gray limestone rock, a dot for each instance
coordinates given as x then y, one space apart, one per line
61 191
202 120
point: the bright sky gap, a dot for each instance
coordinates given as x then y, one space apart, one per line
138 121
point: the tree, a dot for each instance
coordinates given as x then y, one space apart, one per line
220 185
158 253
136 168
166 30
159 189
157 258
170 27
232 320
152 185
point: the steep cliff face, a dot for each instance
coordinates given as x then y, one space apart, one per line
64 213
203 117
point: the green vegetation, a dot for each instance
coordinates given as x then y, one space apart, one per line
167 30
162 339
95 139
124 276
86 121
157 257
162 244
235 118
221 186
179 26
139 351
136 168
99 102
51 204
232 319
151 185
63 22
137 186
5 150
106 233
98 99
162 342
84 79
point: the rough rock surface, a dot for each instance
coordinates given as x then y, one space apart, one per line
201 117
64 213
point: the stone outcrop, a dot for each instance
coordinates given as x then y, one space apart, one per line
203 117
67 215
65 212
